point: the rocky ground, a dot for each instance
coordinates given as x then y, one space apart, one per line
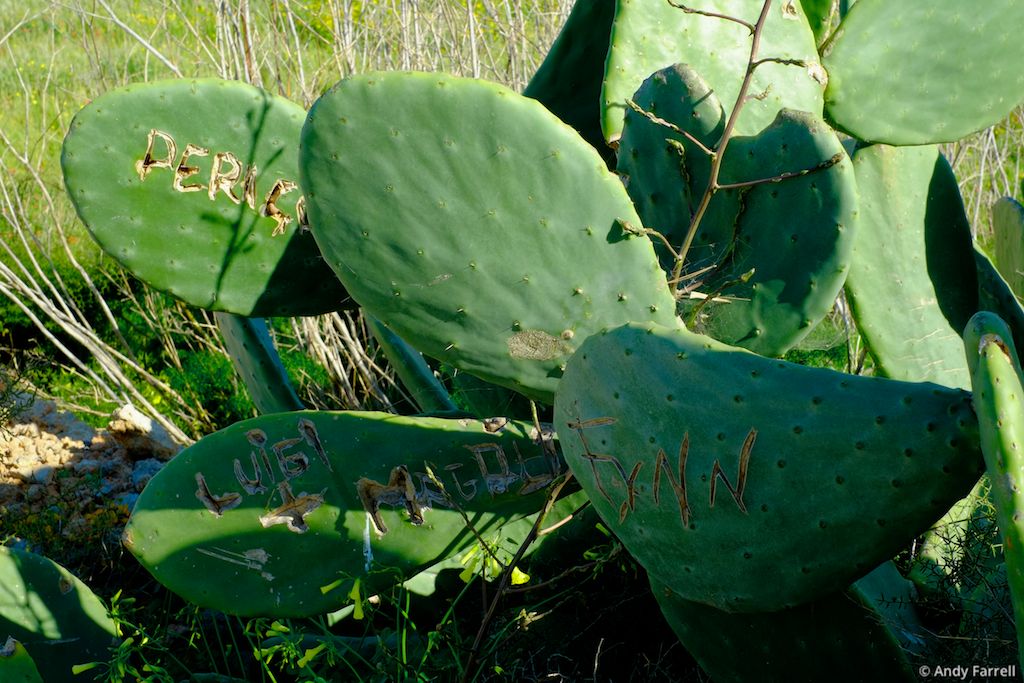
51 460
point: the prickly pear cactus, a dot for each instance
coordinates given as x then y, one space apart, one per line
844 636
486 233
913 283
16 665
999 402
1008 229
648 34
717 467
282 514
773 255
55 616
193 186
915 73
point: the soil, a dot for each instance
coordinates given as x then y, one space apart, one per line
49 457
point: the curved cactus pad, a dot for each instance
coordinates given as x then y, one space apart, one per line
717 467
193 187
649 34
839 637
913 283
279 515
767 259
914 73
999 403
1008 229
475 224
54 615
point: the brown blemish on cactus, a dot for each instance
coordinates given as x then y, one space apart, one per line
215 504
184 171
398 491
593 458
493 425
294 510
537 345
629 505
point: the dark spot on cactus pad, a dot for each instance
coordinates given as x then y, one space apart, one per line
798 429
909 452
721 436
817 400
860 445
840 479
781 464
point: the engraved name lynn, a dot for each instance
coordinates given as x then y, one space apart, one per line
676 479
226 174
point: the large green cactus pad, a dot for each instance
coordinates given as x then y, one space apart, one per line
843 636
260 517
258 363
913 284
569 80
1008 229
172 178
914 73
999 402
475 224
54 615
773 256
717 467
647 35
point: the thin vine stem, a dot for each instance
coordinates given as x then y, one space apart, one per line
727 133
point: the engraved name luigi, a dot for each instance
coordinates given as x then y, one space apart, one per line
277 464
228 176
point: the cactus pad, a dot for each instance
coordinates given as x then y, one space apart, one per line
257 362
717 467
475 224
778 252
843 636
569 80
913 284
54 615
185 183
914 73
999 402
1008 228
279 515
648 34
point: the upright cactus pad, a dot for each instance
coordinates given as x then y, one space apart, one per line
915 73
913 284
1008 228
193 186
649 34
281 514
994 294
999 403
717 467
844 636
54 615
569 80
769 259
475 224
